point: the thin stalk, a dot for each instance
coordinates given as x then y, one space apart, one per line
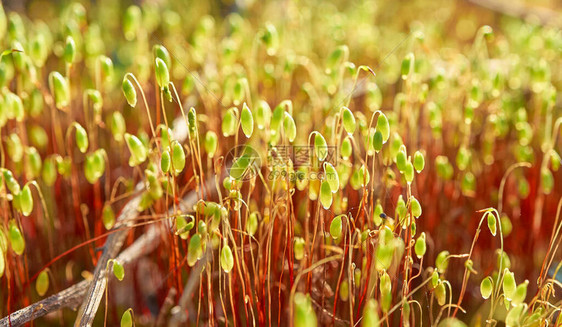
145 105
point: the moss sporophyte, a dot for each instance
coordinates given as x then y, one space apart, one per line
307 167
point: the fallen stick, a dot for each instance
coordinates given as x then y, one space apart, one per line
114 242
68 298
73 296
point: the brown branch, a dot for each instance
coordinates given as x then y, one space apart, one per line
69 298
184 305
89 292
114 242
74 295
166 306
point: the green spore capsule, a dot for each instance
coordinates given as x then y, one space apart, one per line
165 135
81 138
263 114
486 287
35 103
96 99
118 270
377 141
442 261
441 293
14 147
451 322
520 293
289 127
137 149
117 126
162 73
16 238
239 167
178 157
38 137
34 160
106 67
344 290
59 89
276 119
11 182
416 207
407 65
515 315
108 216
555 160
509 286
320 146
42 283
226 259
247 121
409 172
183 226
395 145
435 279
336 227
385 287
370 314
229 123
129 92
192 122
298 248
161 52
348 119
325 195
547 180
132 22
419 161
15 106
304 312
25 200
346 148
165 162
69 50
49 171
463 158
331 176
491 220
383 126
420 246
194 250
401 160
270 38
127 319
211 142
252 224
